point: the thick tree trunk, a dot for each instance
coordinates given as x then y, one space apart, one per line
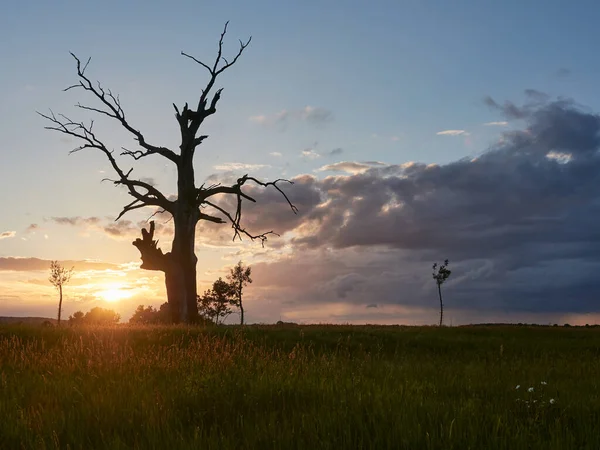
183 288
59 303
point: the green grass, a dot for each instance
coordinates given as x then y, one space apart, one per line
315 387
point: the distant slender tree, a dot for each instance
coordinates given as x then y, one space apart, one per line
238 278
59 276
440 276
192 203
215 304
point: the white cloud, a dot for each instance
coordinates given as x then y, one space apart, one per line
496 124
7 234
452 133
351 167
276 154
310 154
262 119
240 166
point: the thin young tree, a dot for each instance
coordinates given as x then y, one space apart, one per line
441 275
59 276
239 277
192 203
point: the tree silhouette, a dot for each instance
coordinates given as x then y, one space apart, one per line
150 315
59 276
239 277
77 318
440 276
192 203
101 316
215 304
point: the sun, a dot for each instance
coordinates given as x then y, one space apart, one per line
114 293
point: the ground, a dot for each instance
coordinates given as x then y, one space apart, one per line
296 387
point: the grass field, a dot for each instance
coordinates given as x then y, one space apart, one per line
315 387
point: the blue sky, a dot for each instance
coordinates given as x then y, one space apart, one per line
384 78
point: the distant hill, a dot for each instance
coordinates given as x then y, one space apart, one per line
26 320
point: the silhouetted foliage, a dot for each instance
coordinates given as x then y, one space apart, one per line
238 278
77 318
59 276
101 316
149 315
440 276
215 305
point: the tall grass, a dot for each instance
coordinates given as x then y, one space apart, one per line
317 387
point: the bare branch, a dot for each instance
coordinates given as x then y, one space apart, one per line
203 194
238 229
202 112
79 130
115 111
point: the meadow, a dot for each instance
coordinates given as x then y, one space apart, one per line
299 387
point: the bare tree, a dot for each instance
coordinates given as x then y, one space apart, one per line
192 204
238 278
440 276
59 276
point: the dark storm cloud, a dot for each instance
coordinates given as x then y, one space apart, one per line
521 219
271 211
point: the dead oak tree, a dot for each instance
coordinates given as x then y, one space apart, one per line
192 203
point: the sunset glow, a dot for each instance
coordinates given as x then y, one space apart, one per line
115 293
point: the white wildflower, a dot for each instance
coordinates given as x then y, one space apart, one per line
552 401
518 386
530 389
543 383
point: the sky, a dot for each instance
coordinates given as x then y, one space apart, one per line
414 131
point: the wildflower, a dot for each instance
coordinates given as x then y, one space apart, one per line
543 383
530 389
552 401
518 386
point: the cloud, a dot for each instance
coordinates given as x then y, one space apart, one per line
309 114
496 124
518 223
562 72
31 228
310 153
350 166
76 220
452 133
33 264
535 100
336 151
123 229
276 154
151 181
240 166
7 234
